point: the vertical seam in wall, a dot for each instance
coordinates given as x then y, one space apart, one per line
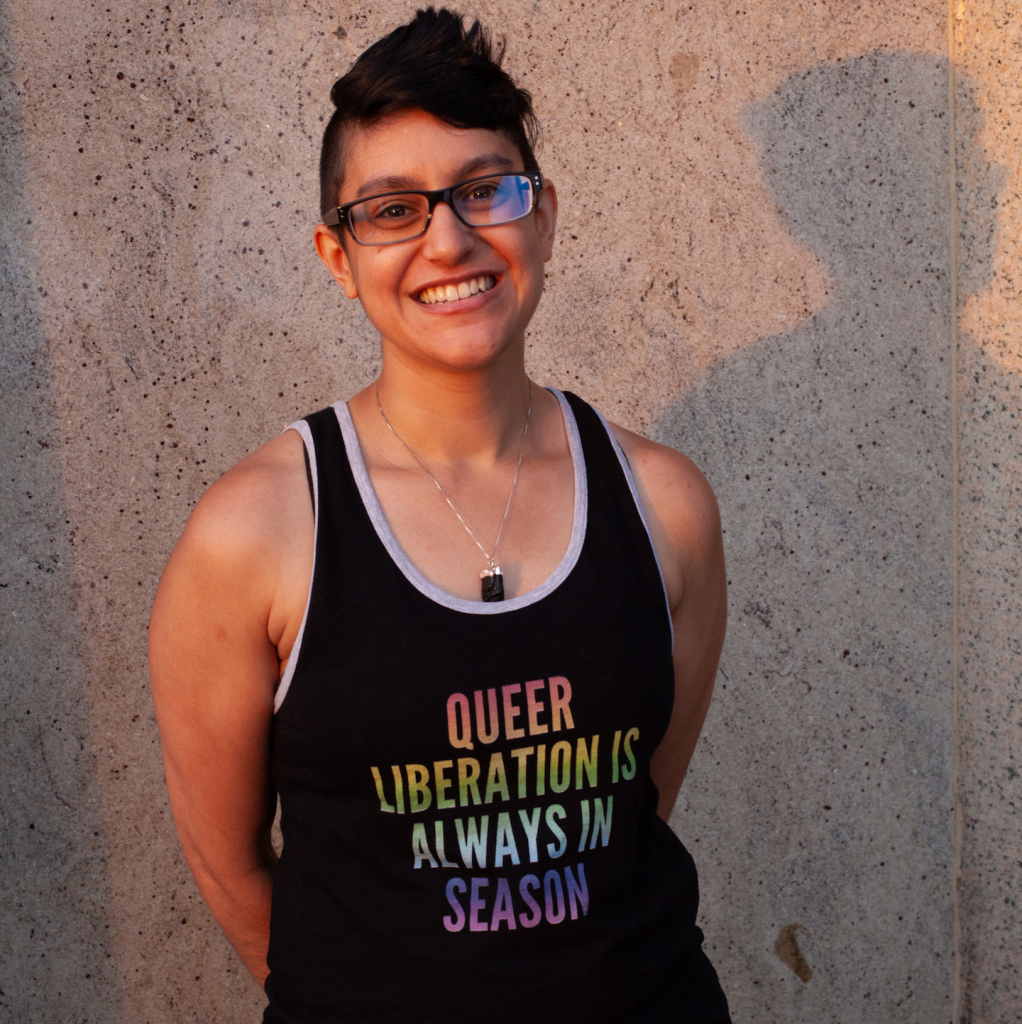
956 909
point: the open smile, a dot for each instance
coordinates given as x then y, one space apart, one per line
457 292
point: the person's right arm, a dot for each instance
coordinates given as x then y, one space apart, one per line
227 611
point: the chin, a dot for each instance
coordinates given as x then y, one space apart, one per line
468 353
468 358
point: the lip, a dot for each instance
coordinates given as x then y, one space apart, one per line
458 305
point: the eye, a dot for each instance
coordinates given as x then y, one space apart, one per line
478 193
393 211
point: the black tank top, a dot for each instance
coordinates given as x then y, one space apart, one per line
470 829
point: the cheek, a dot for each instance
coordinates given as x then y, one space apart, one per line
533 271
523 259
378 279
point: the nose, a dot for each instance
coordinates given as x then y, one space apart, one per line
447 240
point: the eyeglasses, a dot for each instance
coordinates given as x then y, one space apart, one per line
394 217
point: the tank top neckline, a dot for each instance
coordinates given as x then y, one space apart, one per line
405 564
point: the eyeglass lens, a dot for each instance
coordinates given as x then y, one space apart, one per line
396 218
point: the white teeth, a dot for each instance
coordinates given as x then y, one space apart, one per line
462 290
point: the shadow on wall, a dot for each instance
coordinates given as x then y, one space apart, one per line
829 448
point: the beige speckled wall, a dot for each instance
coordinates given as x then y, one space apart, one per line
987 40
755 265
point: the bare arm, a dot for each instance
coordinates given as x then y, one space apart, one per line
685 524
224 614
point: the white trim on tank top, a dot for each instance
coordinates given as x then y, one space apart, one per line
369 499
431 590
626 466
305 433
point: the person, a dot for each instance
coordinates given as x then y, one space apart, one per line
465 628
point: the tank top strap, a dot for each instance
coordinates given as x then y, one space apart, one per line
345 529
614 490
331 459
598 441
348 543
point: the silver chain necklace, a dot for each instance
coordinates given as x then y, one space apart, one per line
492 578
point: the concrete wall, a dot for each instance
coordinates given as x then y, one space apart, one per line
789 247
987 40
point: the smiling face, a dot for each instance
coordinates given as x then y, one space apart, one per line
456 297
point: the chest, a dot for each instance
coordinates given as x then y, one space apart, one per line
396 667
534 528
539 699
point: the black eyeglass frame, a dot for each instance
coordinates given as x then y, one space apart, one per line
339 216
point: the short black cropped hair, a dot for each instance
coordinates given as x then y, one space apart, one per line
432 64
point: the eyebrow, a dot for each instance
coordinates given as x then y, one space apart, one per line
399 182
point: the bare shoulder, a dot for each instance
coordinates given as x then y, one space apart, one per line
245 554
673 484
680 507
256 501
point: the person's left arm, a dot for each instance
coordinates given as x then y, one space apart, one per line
685 524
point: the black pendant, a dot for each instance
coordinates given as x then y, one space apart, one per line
493 584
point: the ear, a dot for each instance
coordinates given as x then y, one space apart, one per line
546 218
331 251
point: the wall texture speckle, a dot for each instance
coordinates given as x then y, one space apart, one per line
988 142
827 762
754 264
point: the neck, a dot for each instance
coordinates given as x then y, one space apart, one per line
449 416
